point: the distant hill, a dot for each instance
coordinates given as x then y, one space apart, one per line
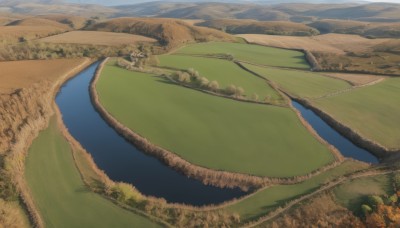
386 12
234 26
390 30
168 32
39 22
75 22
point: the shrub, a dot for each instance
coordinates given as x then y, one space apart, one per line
239 91
204 82
184 77
366 209
231 90
254 97
126 193
375 201
213 86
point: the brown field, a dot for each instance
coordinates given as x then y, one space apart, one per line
13 33
39 22
357 79
23 74
75 22
97 38
329 43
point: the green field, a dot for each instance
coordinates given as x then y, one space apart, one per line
374 111
352 194
225 72
59 193
211 131
300 83
250 53
269 199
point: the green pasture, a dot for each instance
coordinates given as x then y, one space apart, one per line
211 131
224 72
374 111
301 83
250 53
60 195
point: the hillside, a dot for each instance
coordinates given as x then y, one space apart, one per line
169 32
39 22
379 30
260 27
75 22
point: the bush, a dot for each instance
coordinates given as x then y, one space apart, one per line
126 193
374 201
213 86
254 97
239 91
204 82
231 90
366 209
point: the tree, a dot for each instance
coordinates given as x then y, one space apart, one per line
204 81
213 86
366 209
239 91
231 90
254 97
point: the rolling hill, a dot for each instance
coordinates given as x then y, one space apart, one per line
234 26
168 32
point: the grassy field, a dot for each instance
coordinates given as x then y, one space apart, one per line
225 72
271 198
97 38
60 195
250 53
353 193
211 131
300 83
373 111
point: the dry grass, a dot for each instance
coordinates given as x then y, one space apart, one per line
23 74
39 22
356 79
75 22
243 26
329 43
193 21
13 33
97 38
169 32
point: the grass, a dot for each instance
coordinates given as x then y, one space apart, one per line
224 72
250 53
60 195
211 131
352 194
373 111
269 199
301 83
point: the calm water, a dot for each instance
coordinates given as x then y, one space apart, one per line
345 146
120 160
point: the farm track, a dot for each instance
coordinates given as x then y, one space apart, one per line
337 93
